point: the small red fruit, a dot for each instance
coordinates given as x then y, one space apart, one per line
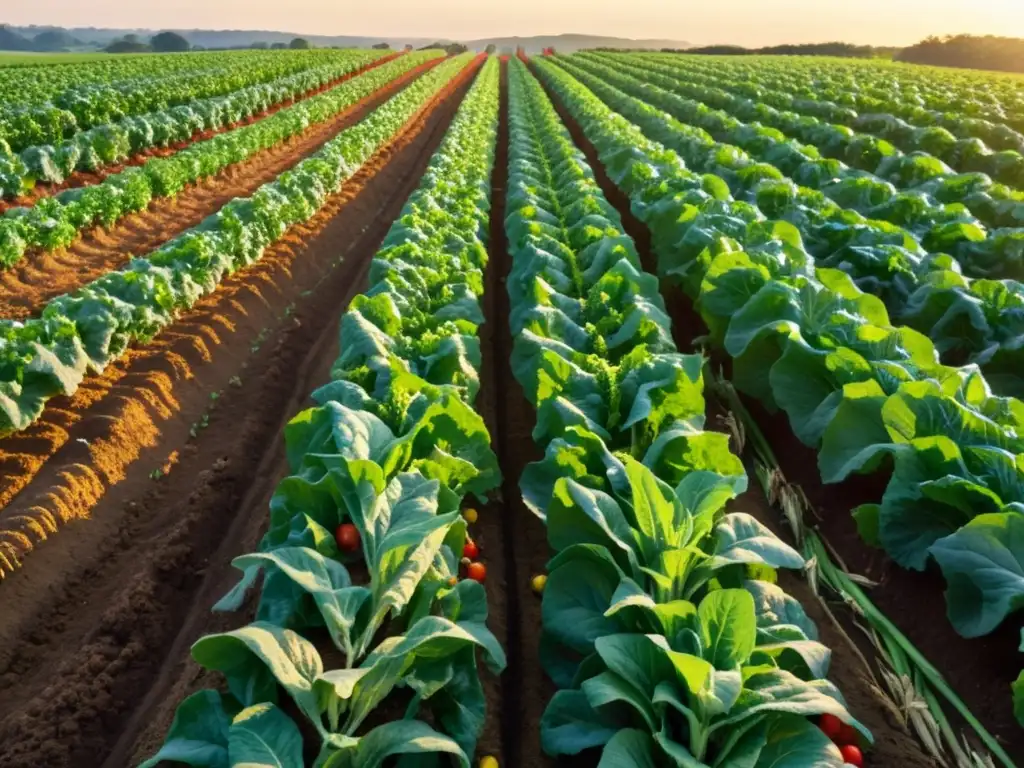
830 725
477 572
851 754
471 550
347 537
847 735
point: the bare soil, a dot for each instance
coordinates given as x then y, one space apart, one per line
524 545
97 624
40 276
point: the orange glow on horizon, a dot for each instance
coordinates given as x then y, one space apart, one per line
744 22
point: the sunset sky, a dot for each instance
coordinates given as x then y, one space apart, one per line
746 22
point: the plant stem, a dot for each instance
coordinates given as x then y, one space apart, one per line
843 584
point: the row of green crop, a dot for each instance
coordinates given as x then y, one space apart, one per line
43 105
969 104
115 142
83 331
970 321
865 393
55 222
661 622
392 448
876 169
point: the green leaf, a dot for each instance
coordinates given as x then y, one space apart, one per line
983 564
262 736
636 658
581 583
629 748
257 658
570 725
402 737
795 742
580 515
728 627
741 538
608 688
779 691
198 734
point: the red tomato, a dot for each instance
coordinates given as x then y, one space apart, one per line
477 572
851 754
347 537
847 735
830 725
471 550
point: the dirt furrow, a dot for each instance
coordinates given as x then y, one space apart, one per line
96 626
526 689
40 276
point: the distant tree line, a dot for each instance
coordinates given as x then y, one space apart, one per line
49 41
971 51
842 50
452 49
172 42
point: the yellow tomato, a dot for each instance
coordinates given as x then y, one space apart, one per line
470 515
488 762
538 582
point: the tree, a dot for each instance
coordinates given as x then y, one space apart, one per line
128 44
55 40
491 48
972 51
279 46
169 42
299 44
381 47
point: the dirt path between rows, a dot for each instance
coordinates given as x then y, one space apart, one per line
40 276
85 179
96 626
523 536
849 670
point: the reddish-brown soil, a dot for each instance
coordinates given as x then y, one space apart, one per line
97 624
41 275
894 745
523 536
86 179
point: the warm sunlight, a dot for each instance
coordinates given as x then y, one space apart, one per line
744 22
511 383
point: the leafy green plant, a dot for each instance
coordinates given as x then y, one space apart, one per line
138 300
660 622
805 339
386 457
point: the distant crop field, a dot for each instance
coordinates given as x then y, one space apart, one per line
17 58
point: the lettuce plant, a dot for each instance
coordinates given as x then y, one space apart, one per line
806 339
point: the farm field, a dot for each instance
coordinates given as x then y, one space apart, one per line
364 408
